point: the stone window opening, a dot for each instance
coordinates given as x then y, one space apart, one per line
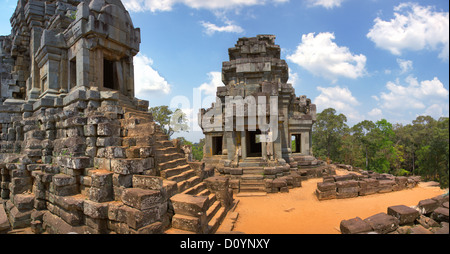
73 72
110 77
217 145
295 143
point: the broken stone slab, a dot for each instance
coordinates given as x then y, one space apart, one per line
382 223
354 226
405 214
426 222
4 222
141 199
427 206
440 214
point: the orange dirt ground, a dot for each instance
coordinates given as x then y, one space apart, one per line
300 212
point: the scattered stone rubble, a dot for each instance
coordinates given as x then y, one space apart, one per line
363 184
78 152
429 216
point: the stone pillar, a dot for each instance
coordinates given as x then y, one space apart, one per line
82 67
244 145
231 144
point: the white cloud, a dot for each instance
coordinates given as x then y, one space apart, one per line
341 99
147 81
166 5
215 80
405 65
293 78
329 4
322 57
210 28
375 113
413 27
413 95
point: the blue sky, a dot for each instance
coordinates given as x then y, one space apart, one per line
368 59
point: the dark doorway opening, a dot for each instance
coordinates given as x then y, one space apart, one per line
254 148
295 143
110 75
217 145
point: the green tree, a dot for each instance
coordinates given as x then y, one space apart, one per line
327 134
170 121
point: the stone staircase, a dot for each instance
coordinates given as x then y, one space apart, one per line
196 209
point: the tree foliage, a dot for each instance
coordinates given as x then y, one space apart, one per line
170 121
420 148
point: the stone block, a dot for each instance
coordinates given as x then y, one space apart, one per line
4 222
382 223
63 180
189 205
141 199
101 178
427 206
147 182
189 223
135 218
405 215
325 195
354 226
440 214
326 186
123 180
24 202
235 171
95 210
108 129
102 194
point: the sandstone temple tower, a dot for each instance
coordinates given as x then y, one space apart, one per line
255 70
78 151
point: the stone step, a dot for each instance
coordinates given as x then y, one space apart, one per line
252 170
195 190
205 192
248 177
245 188
172 164
143 129
186 184
214 223
160 137
255 163
167 173
212 210
163 158
183 176
165 150
163 143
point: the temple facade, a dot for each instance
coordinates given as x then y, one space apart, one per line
240 145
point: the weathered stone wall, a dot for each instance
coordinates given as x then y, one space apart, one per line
427 217
92 165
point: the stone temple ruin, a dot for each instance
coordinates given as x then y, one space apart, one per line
78 152
255 70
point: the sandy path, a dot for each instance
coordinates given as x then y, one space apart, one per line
300 212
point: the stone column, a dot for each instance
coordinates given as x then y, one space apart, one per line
83 67
244 144
231 144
